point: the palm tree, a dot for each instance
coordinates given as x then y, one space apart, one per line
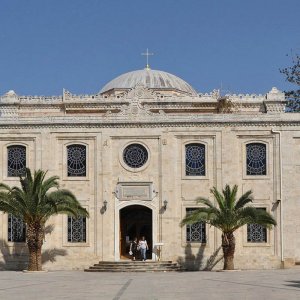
35 202
228 215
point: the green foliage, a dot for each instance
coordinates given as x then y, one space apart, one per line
228 214
38 199
292 75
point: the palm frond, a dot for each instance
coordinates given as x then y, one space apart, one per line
229 214
230 196
201 214
253 215
7 207
35 202
264 218
219 198
49 183
205 201
4 187
244 199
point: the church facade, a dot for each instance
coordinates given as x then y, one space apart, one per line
138 154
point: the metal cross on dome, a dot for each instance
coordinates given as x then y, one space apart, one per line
147 54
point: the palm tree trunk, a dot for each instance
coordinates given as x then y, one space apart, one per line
228 246
34 237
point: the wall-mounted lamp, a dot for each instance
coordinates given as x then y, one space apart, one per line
165 204
104 205
278 201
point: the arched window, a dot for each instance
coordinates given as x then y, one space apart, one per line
256 159
195 160
76 157
16 160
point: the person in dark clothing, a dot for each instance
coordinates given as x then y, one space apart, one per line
134 248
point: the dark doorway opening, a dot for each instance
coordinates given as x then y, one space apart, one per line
135 221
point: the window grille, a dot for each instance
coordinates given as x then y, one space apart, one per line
76 157
256 159
135 155
76 229
195 232
195 160
256 233
16 229
16 161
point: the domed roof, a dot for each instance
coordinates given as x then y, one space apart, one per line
153 79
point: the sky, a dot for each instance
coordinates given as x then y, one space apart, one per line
234 45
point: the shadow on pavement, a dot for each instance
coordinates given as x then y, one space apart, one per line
295 283
192 262
14 256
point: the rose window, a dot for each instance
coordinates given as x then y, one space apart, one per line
135 155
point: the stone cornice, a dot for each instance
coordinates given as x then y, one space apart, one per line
160 120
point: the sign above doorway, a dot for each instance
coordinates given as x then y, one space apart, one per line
135 191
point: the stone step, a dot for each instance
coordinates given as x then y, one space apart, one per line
134 266
126 262
132 270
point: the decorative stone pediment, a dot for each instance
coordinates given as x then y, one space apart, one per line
140 92
134 108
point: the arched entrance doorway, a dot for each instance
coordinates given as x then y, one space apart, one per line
135 221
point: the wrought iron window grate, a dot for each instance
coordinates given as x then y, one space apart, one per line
195 160
76 160
195 232
256 159
16 161
256 233
16 229
76 230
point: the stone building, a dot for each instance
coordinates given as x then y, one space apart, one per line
138 154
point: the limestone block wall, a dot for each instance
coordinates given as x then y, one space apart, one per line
225 163
290 141
47 150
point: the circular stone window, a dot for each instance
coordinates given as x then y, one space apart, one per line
135 155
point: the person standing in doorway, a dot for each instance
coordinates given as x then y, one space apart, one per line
143 246
134 248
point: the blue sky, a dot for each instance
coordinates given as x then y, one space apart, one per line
80 45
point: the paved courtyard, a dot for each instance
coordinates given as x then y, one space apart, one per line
243 285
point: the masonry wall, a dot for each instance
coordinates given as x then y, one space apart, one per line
225 164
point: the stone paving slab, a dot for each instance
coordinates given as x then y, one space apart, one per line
243 285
